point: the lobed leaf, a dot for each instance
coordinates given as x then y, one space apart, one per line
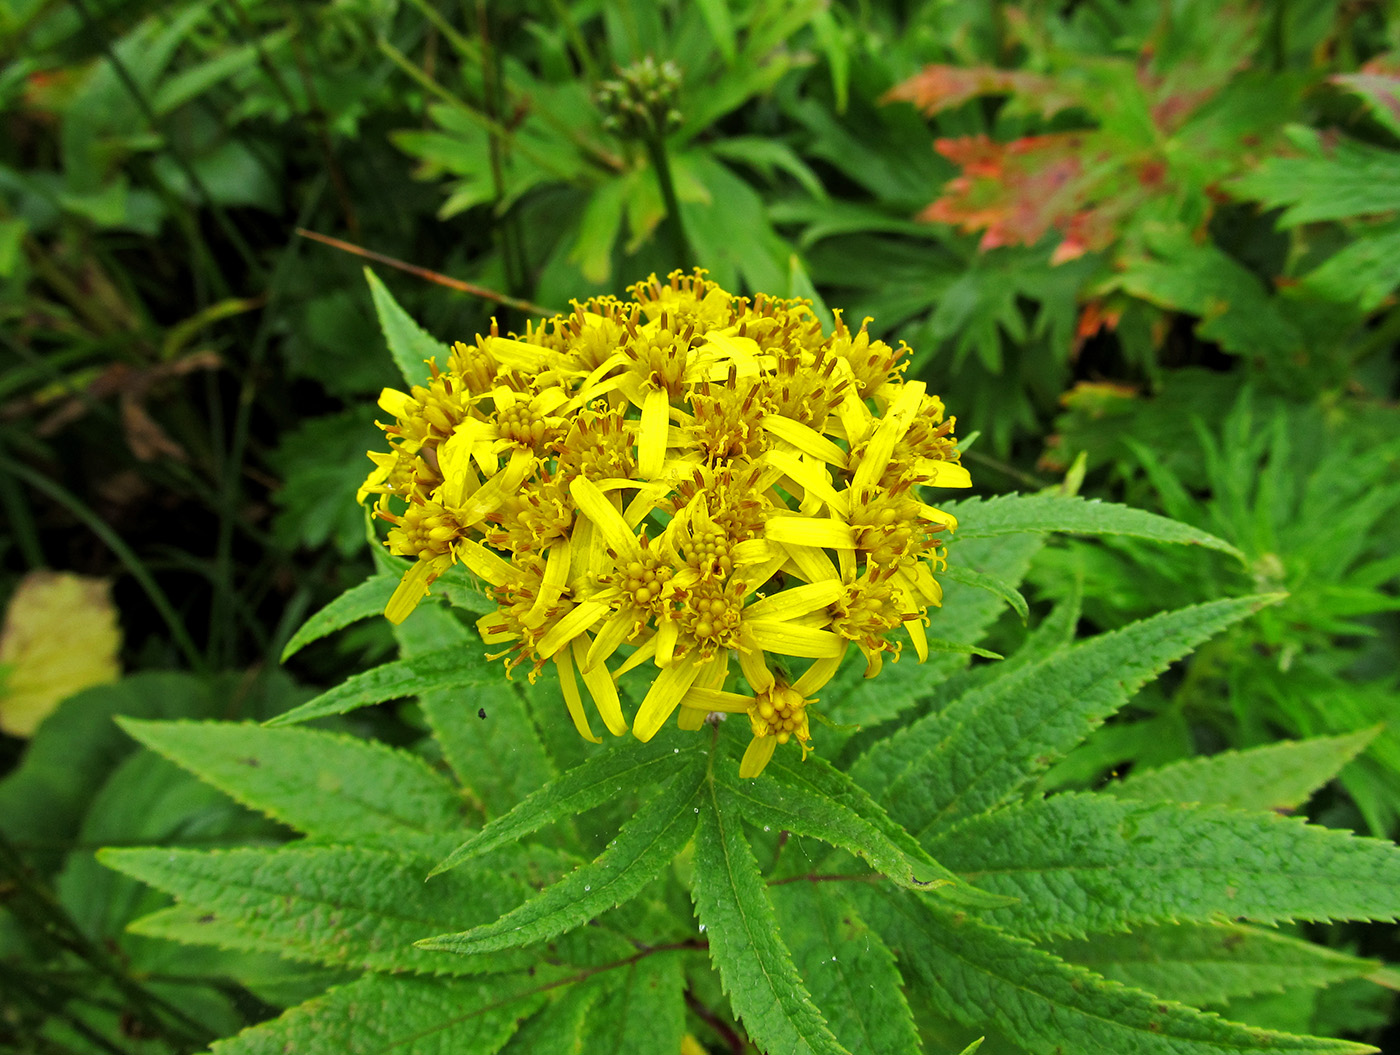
1279 776
1083 863
996 738
1013 514
1203 964
980 975
447 669
327 785
644 846
397 1015
1350 179
642 1010
409 345
813 798
756 968
627 766
848 968
340 905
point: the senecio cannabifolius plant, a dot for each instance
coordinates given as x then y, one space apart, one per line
694 504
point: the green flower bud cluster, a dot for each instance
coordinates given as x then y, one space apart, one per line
641 103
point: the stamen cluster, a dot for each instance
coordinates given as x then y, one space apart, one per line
686 482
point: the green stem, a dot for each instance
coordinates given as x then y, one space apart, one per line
675 230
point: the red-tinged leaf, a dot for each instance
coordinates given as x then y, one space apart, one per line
1018 192
937 88
1379 84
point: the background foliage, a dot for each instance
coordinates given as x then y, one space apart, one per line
1152 246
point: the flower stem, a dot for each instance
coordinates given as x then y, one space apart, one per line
675 230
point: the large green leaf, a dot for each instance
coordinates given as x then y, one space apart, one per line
1280 776
813 798
1082 863
1013 514
994 739
757 970
977 974
1347 179
644 846
642 1010
330 786
344 906
848 968
1203 964
408 343
358 602
625 768
448 669
396 1015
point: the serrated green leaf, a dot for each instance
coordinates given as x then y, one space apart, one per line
1353 179
981 976
627 766
447 669
1279 776
642 1011
391 1015
644 845
1083 863
1364 271
487 736
971 577
1204 964
358 602
813 798
1013 514
409 344
757 970
993 740
327 785
848 968
344 906
558 1029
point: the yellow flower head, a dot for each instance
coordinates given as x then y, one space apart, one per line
698 485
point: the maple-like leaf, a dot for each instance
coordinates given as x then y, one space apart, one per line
937 87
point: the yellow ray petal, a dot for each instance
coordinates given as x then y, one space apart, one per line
607 521
943 474
601 688
413 587
394 402
651 443
890 431
819 673
664 696
691 718
757 756
788 639
810 478
580 618
572 700
753 663
556 576
806 439
715 700
795 601
645 651
616 630
821 532
937 516
482 563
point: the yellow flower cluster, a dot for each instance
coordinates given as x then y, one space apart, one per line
683 481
